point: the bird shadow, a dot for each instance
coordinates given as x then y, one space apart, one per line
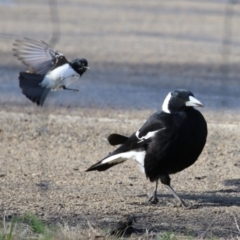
218 198
232 182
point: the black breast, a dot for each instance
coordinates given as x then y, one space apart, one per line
179 146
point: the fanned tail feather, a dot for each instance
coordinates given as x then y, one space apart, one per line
29 83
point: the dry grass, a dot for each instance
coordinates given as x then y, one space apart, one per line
24 228
31 227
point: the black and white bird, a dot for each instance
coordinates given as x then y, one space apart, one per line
169 141
48 69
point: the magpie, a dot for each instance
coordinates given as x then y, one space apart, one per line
48 69
168 142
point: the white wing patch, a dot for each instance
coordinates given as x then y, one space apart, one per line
149 135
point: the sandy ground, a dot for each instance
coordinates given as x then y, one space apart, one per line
138 51
44 155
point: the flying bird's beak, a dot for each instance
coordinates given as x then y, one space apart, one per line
193 102
87 67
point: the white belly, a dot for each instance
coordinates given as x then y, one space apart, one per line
59 77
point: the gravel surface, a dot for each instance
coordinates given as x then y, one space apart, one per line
44 155
138 51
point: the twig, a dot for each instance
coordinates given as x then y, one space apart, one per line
235 219
207 228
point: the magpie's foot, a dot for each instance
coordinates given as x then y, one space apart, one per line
178 204
71 89
153 199
183 204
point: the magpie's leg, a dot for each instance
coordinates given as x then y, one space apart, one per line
176 196
71 89
153 199
166 181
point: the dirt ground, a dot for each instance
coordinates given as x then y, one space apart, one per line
138 51
44 155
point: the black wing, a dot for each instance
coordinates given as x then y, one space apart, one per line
137 142
38 56
144 135
153 125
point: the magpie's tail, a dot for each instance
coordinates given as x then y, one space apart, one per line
116 139
103 166
118 157
29 83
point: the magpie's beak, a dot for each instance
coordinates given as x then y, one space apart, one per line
193 102
87 67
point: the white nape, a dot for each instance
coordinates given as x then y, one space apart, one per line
166 103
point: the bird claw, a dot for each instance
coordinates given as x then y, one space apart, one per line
153 199
71 89
183 204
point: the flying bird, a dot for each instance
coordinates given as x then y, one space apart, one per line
48 69
169 141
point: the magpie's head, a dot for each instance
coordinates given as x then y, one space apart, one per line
80 65
179 100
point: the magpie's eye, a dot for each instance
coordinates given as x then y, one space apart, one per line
182 98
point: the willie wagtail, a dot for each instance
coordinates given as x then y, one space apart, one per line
48 69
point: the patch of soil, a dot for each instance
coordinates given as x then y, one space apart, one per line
44 156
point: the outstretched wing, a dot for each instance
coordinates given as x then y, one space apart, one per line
134 147
38 56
